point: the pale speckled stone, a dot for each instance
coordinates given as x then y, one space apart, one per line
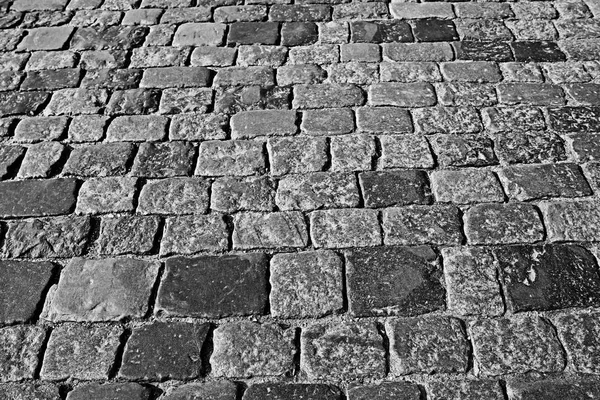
194 233
467 389
174 196
572 221
352 152
345 228
579 333
19 348
446 120
262 230
405 151
317 190
40 159
104 195
521 72
29 391
466 186
409 72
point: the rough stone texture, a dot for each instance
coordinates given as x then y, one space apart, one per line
406 151
112 391
194 233
268 391
19 348
239 157
307 284
385 390
127 235
382 189
344 228
220 390
317 190
579 334
102 290
28 391
577 221
37 198
469 389
576 387
347 350
174 195
262 230
106 195
503 224
466 186
247 349
231 194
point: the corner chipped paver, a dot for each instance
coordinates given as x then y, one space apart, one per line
34 198
19 349
349 350
102 290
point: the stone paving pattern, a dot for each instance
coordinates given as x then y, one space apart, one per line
308 199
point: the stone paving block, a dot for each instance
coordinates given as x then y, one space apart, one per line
41 160
503 224
408 72
47 197
174 196
329 121
20 346
234 157
521 72
164 350
163 160
402 94
240 13
466 94
77 101
571 221
579 334
274 391
304 74
466 186
362 52
390 188
468 389
530 93
315 54
245 76
297 155
345 228
300 12
29 103
411 52
386 120
275 230
194 233
213 56
352 153
127 235
349 349
273 56
515 345
193 15
317 190
463 150
530 147
235 99
10 158
238 286
166 77
253 33
503 119
198 127
475 71
333 32
110 391
251 124
471 282
578 387
51 79
360 11
583 93
412 225
327 96
231 194
417 11
46 238
98 160
406 151
247 349
24 284
108 37
299 33
30 5
102 290
112 79
106 195
185 100
393 280
133 101
53 38
27 391
306 284
575 119
585 146
87 128
483 51
39 129
434 30
81 352
219 390
385 390
454 120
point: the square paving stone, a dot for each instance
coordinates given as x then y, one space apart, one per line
579 333
231 194
233 285
349 350
127 235
164 350
297 155
274 391
503 224
20 348
405 151
193 234
389 188
427 345
47 197
102 290
269 230
393 280
218 390
248 349
344 228
163 160
253 33
24 286
41 160
110 391
540 278
306 284
174 196
384 391
317 190
434 30
81 352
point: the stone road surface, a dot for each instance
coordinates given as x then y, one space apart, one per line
299 199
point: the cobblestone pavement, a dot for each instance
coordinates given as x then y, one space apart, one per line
276 199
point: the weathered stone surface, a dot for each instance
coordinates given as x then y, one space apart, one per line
163 160
571 221
408 72
579 334
516 345
434 30
327 96
253 33
127 235
194 233
471 282
417 52
231 194
174 196
133 128
98 160
77 101
584 387
245 76
164 350
102 290
108 37
219 390
344 228
51 79
28 103
393 280
530 93
29 391
40 160
53 38
9 159
261 230
31 130
406 151
466 94
46 238
380 32
167 77
361 52
317 190
383 120
411 225
419 11
81 352
233 157
506 119
352 152
446 120
112 391
308 12
19 349
575 119
247 349
273 56
133 101
521 72
329 121
252 124
299 33
385 390
351 350
483 51
402 94
198 127
24 285
274 391
306 284
475 71
297 155
463 150
315 54
213 56
307 74
468 389
106 195
530 147
503 224
238 286
391 188
466 186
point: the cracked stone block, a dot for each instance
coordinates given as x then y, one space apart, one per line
507 119
475 71
351 350
98 160
252 124
247 349
297 155
102 290
53 38
466 186
384 120
579 334
87 128
262 230
317 190
163 160
571 221
402 94
174 196
332 121
427 345
47 197
454 120
27 103
417 52
253 33
40 160
38 129
46 238
503 224
327 96
134 101
515 346
418 224
231 194
10 156
380 32
106 195
81 352
468 389
463 150
390 188
384 391
352 152
164 350
405 151
127 235
232 157
575 387
133 128
471 281
549 277
194 233
530 147
198 127
77 102
345 228
393 280
20 346
24 284
278 391
306 284
29 391
238 286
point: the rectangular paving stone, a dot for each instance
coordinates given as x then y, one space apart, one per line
122 391
174 196
97 160
384 390
463 150
408 72
317 190
127 235
41 160
530 93
275 391
137 128
575 119
483 51
198 126
217 390
251 124
52 79
77 102
390 188
530 147
299 12
107 37
232 157
245 76
446 120
33 198
232 194
238 286
579 333
193 234
15 103
302 74
520 118
583 387
393 280
20 346
432 52
466 186
402 94
327 96
53 38
343 228
133 102
106 195
465 389
571 220
166 77
22 391
327 121
380 32
163 160
240 13
421 10
386 120
253 33
40 129
269 230
297 155
475 71
434 30
102 290
248 55
466 94
404 151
